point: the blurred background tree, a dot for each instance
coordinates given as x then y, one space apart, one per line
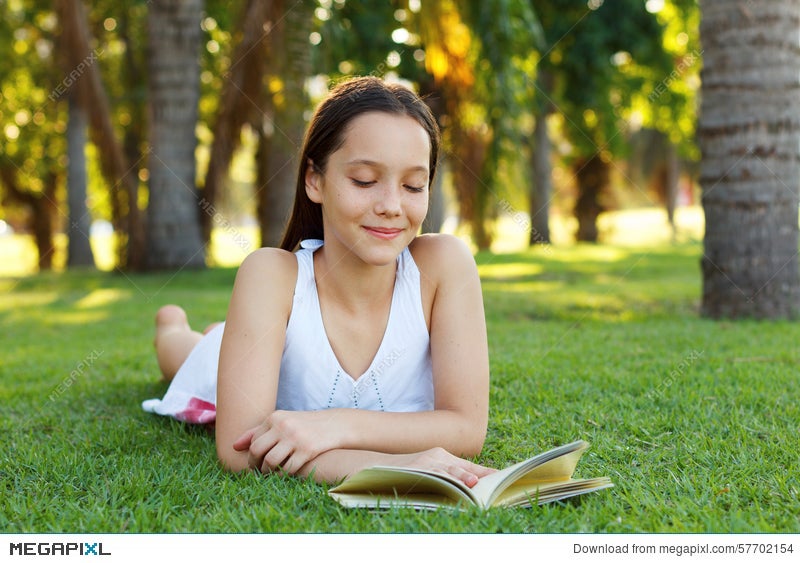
33 154
750 136
548 109
173 76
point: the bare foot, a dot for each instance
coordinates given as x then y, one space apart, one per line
168 318
174 339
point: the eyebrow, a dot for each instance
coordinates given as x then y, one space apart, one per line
367 162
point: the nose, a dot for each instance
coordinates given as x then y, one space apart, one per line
389 201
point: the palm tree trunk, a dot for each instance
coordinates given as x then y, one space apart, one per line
80 60
133 251
469 155
749 135
241 99
592 176
541 167
437 204
79 248
43 209
672 178
173 224
292 64
434 220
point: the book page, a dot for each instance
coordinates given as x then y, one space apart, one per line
557 464
420 501
526 495
398 482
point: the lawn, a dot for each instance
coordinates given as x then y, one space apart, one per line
695 421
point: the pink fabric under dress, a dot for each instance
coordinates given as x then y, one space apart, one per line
311 378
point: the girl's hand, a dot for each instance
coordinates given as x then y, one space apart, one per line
289 439
439 459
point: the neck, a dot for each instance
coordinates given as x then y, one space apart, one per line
350 282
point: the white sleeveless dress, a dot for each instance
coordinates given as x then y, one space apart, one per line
399 379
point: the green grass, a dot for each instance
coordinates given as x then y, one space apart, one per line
695 421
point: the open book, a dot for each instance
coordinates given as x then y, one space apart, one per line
544 478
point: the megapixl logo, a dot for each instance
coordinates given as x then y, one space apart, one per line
57 548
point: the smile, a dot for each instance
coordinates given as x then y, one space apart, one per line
383 233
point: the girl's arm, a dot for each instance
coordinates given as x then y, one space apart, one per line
252 345
334 465
459 354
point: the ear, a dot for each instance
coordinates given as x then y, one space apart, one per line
313 182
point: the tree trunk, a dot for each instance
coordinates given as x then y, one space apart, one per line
292 64
436 203
174 239
671 181
132 251
541 167
43 209
81 62
542 185
592 176
749 135
241 99
79 248
469 149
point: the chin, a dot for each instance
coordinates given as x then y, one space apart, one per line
375 257
380 254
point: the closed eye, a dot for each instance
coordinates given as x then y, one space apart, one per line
414 189
361 183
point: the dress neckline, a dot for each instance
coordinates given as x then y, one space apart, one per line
314 245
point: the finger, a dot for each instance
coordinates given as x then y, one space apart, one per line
275 457
259 447
463 475
473 470
295 463
480 470
243 442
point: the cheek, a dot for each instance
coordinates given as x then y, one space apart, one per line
353 203
419 208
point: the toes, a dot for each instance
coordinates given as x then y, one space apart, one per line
171 315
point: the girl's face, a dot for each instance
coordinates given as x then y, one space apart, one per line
374 191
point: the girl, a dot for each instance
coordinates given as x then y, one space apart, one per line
364 346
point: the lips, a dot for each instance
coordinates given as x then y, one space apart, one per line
384 233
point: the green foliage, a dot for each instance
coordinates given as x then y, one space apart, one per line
672 101
695 421
32 123
603 55
617 67
356 39
503 80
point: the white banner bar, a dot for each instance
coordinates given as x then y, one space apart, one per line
387 548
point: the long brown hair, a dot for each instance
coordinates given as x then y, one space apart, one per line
325 135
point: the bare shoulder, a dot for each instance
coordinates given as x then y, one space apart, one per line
276 261
268 271
442 256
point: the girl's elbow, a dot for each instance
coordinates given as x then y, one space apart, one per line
233 461
473 443
476 447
